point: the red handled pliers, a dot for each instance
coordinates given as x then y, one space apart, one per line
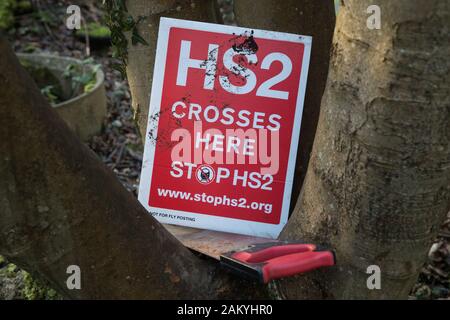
268 261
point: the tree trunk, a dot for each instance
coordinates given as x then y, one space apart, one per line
313 18
141 57
60 206
378 185
376 190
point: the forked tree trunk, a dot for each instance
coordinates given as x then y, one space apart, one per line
376 189
60 206
378 185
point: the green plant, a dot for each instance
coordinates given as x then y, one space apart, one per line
49 93
95 30
29 48
7 13
119 21
47 17
23 6
82 80
47 82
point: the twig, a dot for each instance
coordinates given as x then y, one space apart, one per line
119 156
86 37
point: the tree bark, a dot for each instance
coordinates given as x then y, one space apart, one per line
378 185
306 17
141 57
60 206
376 190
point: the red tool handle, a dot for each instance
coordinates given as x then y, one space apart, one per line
292 264
272 252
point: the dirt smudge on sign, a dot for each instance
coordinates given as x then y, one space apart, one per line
160 134
244 44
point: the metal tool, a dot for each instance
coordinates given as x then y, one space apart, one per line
254 257
268 261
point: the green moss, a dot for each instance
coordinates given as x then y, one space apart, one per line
95 30
11 270
36 290
27 287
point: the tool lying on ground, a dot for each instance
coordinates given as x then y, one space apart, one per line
273 260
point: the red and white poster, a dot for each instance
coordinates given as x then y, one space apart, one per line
223 128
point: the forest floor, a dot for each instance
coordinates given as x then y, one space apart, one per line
119 145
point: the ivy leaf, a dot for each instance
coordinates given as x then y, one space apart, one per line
120 21
128 23
121 68
136 38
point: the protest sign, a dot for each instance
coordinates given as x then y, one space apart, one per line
223 127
